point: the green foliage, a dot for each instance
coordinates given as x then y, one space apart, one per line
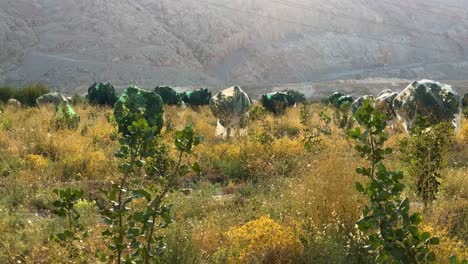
311 136
65 208
102 94
10 165
257 112
276 103
168 95
197 97
392 231
342 117
6 93
132 231
136 103
465 111
66 117
6 124
455 260
305 114
324 126
333 98
295 97
311 140
426 153
26 95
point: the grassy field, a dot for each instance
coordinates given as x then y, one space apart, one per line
303 203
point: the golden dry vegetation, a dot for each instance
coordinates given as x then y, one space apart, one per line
262 198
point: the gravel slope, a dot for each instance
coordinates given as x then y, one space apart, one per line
70 44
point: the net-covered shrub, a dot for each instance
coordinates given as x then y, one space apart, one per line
295 96
168 95
275 102
197 97
66 117
136 103
102 94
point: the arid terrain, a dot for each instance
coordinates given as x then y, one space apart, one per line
69 45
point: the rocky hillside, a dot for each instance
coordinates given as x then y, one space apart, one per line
70 44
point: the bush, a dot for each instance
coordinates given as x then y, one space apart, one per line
102 94
66 117
6 93
276 103
168 95
295 96
263 241
28 94
197 97
426 153
392 230
448 246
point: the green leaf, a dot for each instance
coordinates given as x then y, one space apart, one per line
79 193
139 217
425 236
125 167
196 167
141 193
434 241
416 218
364 224
359 187
453 259
197 140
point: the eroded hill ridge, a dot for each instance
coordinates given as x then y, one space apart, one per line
69 44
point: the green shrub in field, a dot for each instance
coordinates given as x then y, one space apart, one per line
6 93
134 233
28 94
66 117
276 102
75 231
136 103
295 97
311 136
65 208
426 153
168 95
102 94
10 165
392 231
342 116
197 97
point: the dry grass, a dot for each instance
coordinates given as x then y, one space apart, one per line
267 173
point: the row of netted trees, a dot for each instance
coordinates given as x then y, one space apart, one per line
277 102
106 94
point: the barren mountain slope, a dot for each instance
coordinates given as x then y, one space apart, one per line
70 44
